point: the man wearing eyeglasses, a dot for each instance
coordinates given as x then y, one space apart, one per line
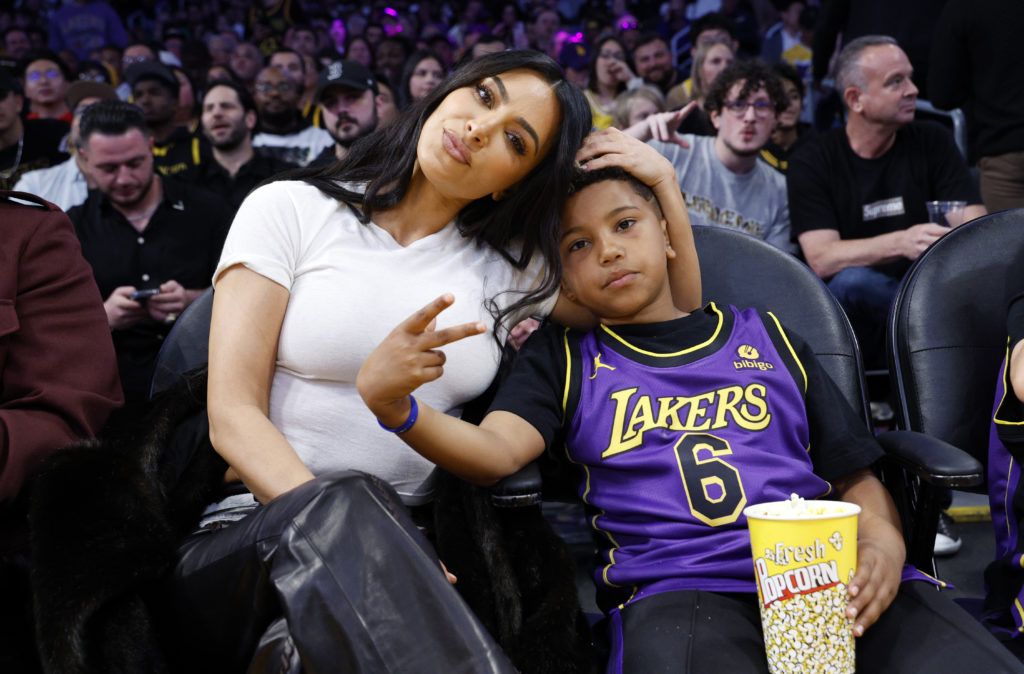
46 82
723 181
282 132
25 144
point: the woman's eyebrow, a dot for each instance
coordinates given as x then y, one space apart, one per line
503 92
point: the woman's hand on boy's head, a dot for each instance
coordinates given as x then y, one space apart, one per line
662 126
407 359
611 147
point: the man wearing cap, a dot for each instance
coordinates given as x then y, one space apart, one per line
347 93
282 131
25 144
227 123
576 62
67 183
155 91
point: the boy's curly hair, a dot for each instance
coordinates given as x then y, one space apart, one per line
582 178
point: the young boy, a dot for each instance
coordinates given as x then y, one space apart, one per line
675 434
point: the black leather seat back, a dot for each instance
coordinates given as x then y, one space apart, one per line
186 346
744 271
947 331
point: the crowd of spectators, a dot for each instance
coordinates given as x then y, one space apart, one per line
774 124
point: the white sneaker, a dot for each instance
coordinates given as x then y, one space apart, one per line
947 542
881 412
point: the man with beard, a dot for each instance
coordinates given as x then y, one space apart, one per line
228 120
152 241
282 131
347 93
293 64
155 91
652 60
723 182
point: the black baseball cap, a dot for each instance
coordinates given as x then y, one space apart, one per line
574 55
350 74
152 70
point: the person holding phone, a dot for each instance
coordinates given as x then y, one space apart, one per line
152 244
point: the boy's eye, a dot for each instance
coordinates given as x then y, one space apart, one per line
624 224
579 244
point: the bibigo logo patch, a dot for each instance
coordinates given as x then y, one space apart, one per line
750 359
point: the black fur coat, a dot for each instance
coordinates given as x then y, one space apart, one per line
106 516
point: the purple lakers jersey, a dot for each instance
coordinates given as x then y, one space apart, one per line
673 445
1003 609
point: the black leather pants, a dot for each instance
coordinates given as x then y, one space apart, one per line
332 576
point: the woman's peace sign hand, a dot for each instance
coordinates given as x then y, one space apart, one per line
408 358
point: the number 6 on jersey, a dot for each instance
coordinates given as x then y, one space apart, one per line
713 487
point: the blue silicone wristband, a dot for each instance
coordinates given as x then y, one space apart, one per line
414 412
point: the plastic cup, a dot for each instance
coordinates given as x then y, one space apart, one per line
805 554
946 213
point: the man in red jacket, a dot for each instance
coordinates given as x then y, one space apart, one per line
58 375
58 382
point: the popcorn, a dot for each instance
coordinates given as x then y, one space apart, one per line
809 633
804 556
796 507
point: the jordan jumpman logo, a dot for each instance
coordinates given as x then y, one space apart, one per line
598 365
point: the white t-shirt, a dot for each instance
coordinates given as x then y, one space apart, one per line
298 148
350 284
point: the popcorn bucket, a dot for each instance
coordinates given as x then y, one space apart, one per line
805 554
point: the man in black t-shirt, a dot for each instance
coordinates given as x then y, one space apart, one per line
153 242
228 119
857 195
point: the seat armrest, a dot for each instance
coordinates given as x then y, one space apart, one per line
935 461
522 488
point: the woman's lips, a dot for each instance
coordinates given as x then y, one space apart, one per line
454 146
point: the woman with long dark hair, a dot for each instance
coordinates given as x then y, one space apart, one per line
461 194
423 72
609 75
